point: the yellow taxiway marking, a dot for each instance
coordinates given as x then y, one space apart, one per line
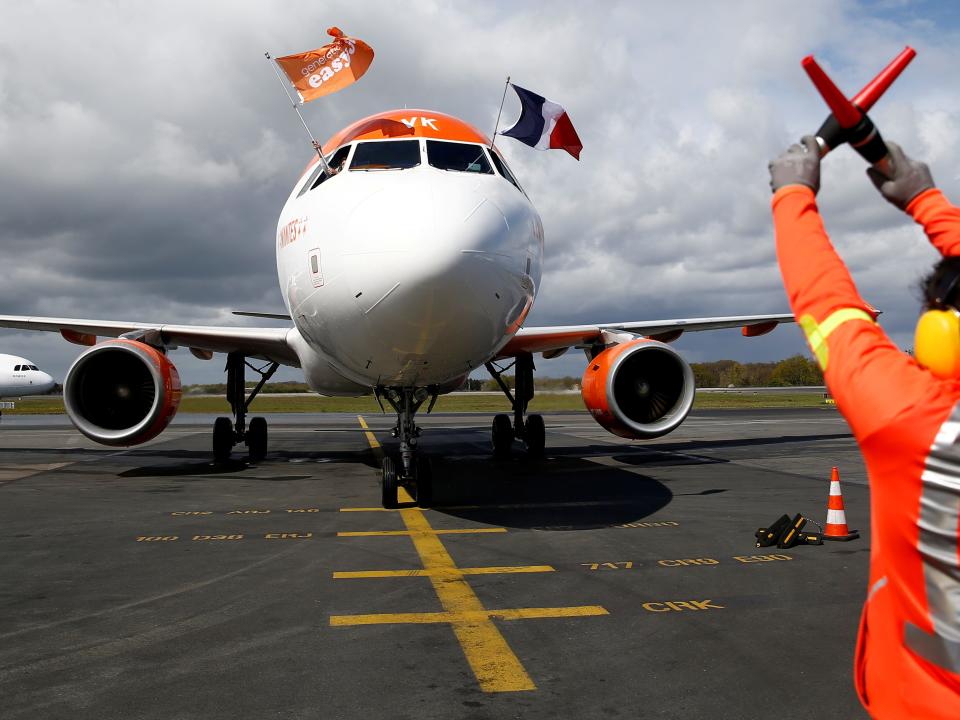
438 572
467 617
494 664
371 438
16 471
458 531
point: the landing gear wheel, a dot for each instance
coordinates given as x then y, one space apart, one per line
536 435
502 436
388 484
424 482
222 439
257 439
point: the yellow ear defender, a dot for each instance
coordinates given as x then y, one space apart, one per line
937 342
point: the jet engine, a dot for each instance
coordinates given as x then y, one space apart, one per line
121 392
638 389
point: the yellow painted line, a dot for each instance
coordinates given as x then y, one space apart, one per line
371 438
493 662
372 533
390 619
458 531
557 612
436 572
468 616
15 471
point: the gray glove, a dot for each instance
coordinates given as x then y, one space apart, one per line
799 165
909 178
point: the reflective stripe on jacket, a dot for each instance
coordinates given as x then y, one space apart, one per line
907 424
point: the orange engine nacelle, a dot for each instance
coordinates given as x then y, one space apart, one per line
121 392
638 389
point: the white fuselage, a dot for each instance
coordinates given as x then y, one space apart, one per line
409 277
19 377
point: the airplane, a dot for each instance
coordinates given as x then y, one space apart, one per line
20 377
413 262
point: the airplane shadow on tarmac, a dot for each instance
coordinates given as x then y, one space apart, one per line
557 493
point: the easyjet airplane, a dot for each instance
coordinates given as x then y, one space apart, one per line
20 377
414 262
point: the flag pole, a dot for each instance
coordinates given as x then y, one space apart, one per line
495 127
296 108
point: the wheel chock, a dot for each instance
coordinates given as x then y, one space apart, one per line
791 536
770 535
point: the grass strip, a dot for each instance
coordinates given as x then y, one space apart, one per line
447 403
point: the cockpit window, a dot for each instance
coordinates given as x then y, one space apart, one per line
317 176
388 155
459 157
34 367
17 368
504 170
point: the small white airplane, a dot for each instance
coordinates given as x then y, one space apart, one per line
413 263
19 377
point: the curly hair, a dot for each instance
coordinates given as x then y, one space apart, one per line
942 285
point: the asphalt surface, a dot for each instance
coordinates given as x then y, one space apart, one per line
611 579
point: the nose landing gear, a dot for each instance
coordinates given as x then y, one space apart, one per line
531 430
413 470
227 433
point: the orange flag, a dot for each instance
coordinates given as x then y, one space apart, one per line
325 70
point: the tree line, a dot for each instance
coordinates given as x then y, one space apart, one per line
794 371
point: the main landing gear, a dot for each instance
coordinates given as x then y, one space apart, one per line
410 469
227 433
531 430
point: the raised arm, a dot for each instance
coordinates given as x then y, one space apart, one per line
860 363
910 188
940 219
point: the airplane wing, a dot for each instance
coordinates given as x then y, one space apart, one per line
555 340
264 343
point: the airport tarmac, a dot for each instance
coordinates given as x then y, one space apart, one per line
611 579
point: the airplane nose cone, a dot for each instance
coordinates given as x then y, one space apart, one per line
438 274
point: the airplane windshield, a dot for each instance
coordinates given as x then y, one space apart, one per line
335 162
504 170
459 157
389 155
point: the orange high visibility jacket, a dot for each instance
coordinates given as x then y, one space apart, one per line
907 424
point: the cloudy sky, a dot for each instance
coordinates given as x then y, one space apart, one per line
146 150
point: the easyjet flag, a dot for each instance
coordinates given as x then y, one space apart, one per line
325 70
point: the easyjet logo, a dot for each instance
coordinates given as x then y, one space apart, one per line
424 122
339 57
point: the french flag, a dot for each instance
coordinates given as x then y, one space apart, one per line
543 124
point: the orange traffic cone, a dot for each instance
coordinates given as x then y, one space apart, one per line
836 518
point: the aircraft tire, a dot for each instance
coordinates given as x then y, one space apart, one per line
502 436
388 484
257 439
424 481
536 436
222 439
